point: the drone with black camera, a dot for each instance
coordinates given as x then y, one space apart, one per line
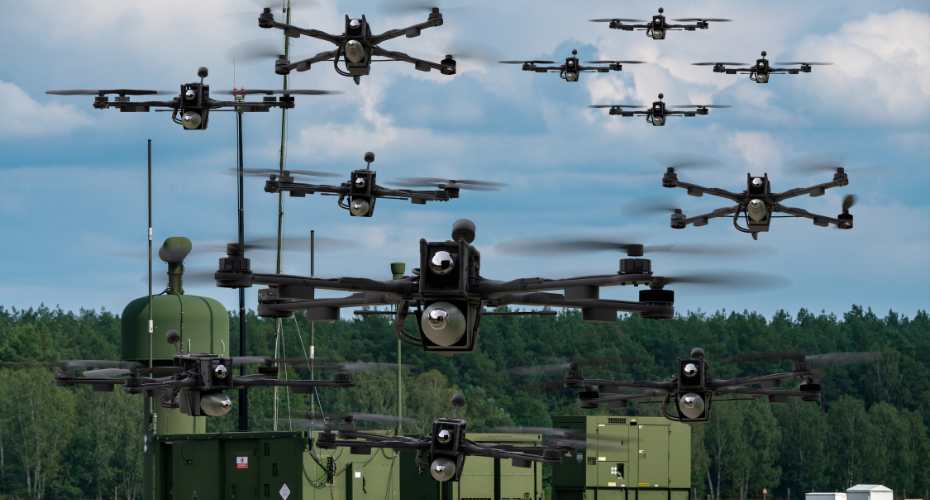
762 69
572 68
448 295
359 194
758 205
193 382
191 107
693 388
659 26
657 113
357 47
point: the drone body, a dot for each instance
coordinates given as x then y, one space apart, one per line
357 47
658 112
659 26
192 106
572 68
758 204
762 69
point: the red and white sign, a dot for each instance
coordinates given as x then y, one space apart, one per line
242 462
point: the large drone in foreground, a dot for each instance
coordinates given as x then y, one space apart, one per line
360 193
572 68
357 47
659 26
659 111
448 295
758 204
192 106
762 69
693 388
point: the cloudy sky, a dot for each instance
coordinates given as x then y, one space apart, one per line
72 179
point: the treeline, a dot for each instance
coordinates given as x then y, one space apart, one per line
75 443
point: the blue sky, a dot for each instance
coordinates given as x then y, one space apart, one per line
72 193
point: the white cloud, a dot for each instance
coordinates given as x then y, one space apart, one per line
24 116
881 70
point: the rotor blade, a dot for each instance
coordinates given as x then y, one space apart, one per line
114 373
449 183
560 368
277 92
841 358
815 165
689 106
620 19
699 19
270 243
733 279
110 91
563 246
253 50
804 63
536 61
268 172
416 6
650 207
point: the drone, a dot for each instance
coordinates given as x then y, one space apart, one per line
693 388
758 204
657 28
359 194
192 106
571 69
357 47
194 382
760 71
448 295
659 111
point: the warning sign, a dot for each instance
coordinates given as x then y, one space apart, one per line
242 462
284 492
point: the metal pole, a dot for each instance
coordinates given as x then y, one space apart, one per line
243 335
148 424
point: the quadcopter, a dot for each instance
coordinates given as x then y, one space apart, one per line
448 295
760 71
758 204
693 388
359 194
571 69
192 106
357 47
657 28
659 111
194 382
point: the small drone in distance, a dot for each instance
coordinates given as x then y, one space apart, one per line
191 107
760 71
758 204
658 26
659 111
359 194
571 69
357 47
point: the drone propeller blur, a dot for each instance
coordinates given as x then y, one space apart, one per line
658 26
359 194
448 295
572 68
657 113
192 106
357 47
693 388
762 69
758 204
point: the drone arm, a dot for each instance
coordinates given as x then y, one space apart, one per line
475 449
296 31
603 384
265 381
820 220
622 398
304 64
742 382
839 179
403 194
302 189
410 31
495 288
420 64
354 300
703 218
399 287
559 300
697 190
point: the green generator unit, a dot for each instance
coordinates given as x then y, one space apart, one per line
628 458
232 466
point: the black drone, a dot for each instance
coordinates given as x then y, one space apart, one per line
359 194
658 26
194 382
191 107
659 111
448 295
760 71
357 47
693 388
444 450
758 204
572 68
